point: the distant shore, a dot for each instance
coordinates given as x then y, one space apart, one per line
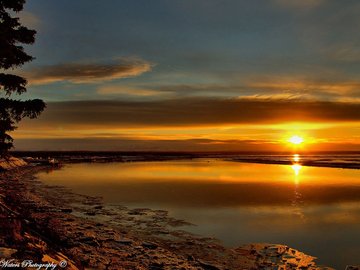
308 163
318 159
52 224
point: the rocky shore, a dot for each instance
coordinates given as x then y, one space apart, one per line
11 163
51 224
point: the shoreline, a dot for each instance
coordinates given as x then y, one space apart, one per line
56 224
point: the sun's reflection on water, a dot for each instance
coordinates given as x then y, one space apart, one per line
297 200
296 168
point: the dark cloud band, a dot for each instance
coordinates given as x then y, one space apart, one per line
194 112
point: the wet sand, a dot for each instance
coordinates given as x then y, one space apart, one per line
52 224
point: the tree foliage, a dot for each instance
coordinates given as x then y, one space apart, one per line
13 55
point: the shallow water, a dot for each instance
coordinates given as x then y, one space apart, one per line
313 209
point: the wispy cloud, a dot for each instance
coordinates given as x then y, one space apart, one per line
343 52
120 90
283 96
302 4
87 72
303 85
274 87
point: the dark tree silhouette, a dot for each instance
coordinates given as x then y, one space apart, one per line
12 55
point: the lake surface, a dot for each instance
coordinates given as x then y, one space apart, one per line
313 209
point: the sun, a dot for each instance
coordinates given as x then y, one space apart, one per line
296 140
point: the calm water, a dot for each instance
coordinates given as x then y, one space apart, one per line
315 210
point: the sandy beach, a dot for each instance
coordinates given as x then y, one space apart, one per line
52 224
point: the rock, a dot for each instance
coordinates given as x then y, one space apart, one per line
125 241
85 260
11 163
149 245
208 266
89 240
156 266
190 258
138 211
6 252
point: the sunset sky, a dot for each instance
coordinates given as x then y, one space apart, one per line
193 75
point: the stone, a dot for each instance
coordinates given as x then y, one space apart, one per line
208 266
6 252
125 241
149 245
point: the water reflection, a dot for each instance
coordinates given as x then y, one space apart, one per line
297 202
207 183
296 168
238 202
